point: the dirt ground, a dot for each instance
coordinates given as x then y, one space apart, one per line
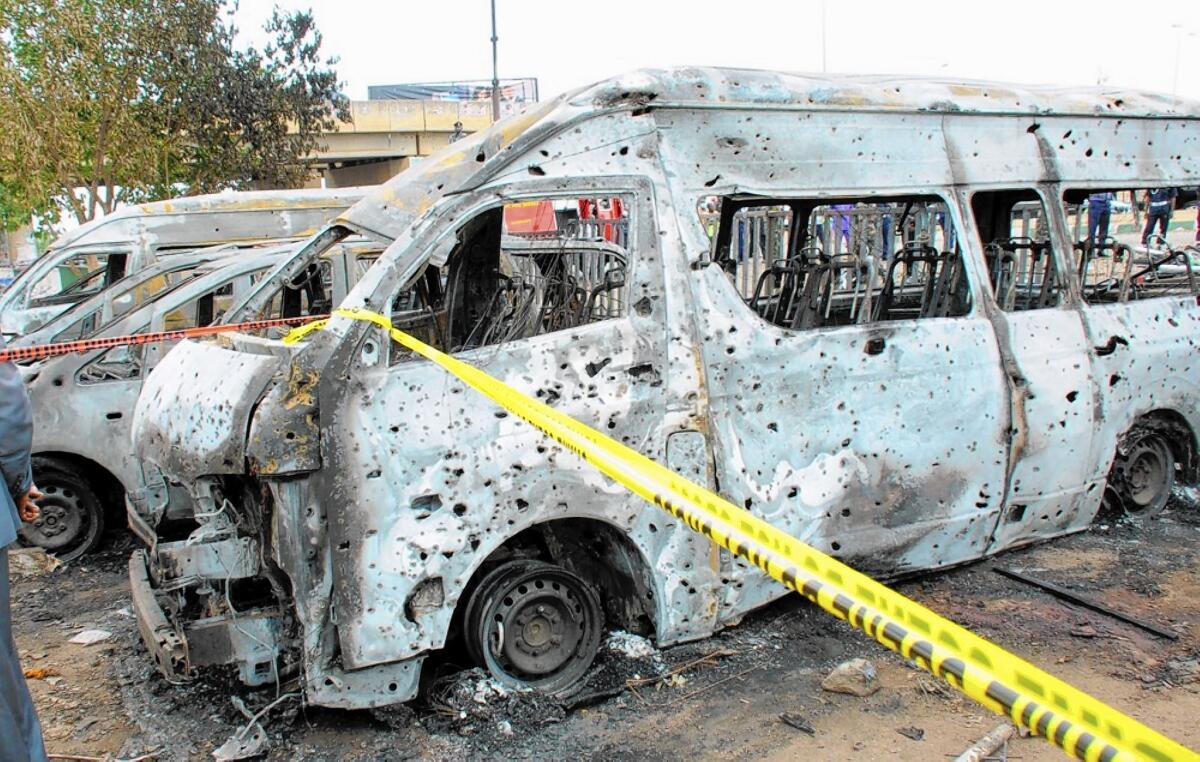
720 697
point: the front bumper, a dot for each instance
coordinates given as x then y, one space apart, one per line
248 640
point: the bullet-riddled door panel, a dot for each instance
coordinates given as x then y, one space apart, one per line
856 395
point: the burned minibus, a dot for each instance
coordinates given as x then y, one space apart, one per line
83 402
850 304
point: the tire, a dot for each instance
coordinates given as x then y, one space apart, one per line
534 625
72 517
1143 475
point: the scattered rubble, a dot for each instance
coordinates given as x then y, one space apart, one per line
647 701
90 637
912 732
797 721
857 677
31 562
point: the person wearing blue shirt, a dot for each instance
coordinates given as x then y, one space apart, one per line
1099 215
1159 204
20 731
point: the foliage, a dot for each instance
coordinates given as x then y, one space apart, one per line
116 101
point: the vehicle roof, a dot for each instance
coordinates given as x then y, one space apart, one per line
391 208
719 87
212 203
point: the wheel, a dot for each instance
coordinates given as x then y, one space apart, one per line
534 625
1143 475
72 519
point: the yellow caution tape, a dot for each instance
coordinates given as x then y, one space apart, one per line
1070 719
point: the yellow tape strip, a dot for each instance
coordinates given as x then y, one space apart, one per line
1070 719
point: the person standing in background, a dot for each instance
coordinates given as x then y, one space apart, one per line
1099 215
20 731
1159 203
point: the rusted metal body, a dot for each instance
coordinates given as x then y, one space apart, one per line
377 489
124 242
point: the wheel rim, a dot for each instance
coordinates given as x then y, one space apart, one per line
65 526
1147 473
535 627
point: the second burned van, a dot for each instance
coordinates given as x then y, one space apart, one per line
852 305
92 257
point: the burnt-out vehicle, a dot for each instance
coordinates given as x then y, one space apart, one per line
83 402
851 305
89 259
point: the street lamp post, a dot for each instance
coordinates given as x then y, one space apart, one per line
495 70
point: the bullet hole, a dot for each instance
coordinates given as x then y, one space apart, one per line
835 545
1088 153
624 150
500 414
1067 134
375 474
344 545
643 307
543 152
845 512
1033 128
536 171
481 157
1072 395
653 528
57 381
593 368
773 426
395 429
474 543
748 502
792 492
712 182
1113 379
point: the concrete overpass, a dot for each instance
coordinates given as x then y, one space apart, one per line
386 136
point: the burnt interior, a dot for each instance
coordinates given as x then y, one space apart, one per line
496 287
806 263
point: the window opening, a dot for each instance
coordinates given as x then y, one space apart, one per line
309 292
1022 270
808 263
1134 243
522 270
77 277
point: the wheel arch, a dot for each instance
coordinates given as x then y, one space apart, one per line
1180 436
598 551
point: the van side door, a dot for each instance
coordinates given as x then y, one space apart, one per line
1044 350
855 391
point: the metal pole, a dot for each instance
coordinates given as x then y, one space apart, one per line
495 74
824 28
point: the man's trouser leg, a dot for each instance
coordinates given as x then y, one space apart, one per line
20 731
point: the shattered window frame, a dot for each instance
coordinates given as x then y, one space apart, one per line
926 257
1131 272
441 251
1020 256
